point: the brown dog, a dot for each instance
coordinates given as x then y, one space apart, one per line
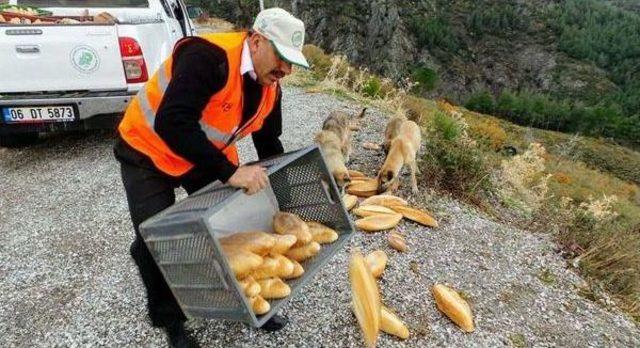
392 130
403 149
331 147
335 142
340 123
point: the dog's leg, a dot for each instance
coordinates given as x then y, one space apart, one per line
414 182
346 149
415 155
410 161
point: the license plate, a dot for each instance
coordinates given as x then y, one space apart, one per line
39 114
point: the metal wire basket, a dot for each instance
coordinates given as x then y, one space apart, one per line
183 239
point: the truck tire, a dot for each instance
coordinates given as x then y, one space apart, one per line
18 140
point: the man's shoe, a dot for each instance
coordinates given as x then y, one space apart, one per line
275 323
179 337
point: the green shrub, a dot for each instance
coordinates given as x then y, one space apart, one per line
449 163
505 104
481 101
427 78
372 87
497 19
446 127
434 32
542 111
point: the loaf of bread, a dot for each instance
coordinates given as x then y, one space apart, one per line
378 222
257 242
321 233
376 261
298 270
250 287
273 288
303 252
283 243
242 262
287 223
260 305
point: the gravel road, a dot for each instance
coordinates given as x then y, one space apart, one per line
66 278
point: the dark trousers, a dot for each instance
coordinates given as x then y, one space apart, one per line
150 191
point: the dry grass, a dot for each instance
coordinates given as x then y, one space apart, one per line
562 178
577 180
523 181
489 133
213 25
418 110
334 75
600 242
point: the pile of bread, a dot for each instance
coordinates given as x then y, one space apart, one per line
380 212
262 261
21 10
26 15
22 20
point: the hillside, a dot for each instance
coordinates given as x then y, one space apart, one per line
578 53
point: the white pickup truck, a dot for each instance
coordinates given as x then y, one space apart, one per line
60 76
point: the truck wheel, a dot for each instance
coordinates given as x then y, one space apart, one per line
18 140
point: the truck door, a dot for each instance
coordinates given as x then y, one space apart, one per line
173 25
186 23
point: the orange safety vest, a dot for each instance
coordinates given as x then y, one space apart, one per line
220 118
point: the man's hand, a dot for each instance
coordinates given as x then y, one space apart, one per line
251 178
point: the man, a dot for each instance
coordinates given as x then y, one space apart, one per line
181 128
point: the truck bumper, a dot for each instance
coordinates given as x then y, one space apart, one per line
94 110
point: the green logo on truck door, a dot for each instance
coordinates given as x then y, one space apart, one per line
85 59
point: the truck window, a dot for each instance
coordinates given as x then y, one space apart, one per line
84 3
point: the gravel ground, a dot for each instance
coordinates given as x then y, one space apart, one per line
66 278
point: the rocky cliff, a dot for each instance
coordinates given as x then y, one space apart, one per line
466 45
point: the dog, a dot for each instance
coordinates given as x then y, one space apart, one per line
403 148
332 149
341 123
338 123
392 130
335 142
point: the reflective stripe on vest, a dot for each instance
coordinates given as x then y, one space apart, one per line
149 115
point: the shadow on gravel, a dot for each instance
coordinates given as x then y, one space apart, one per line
74 138
58 146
